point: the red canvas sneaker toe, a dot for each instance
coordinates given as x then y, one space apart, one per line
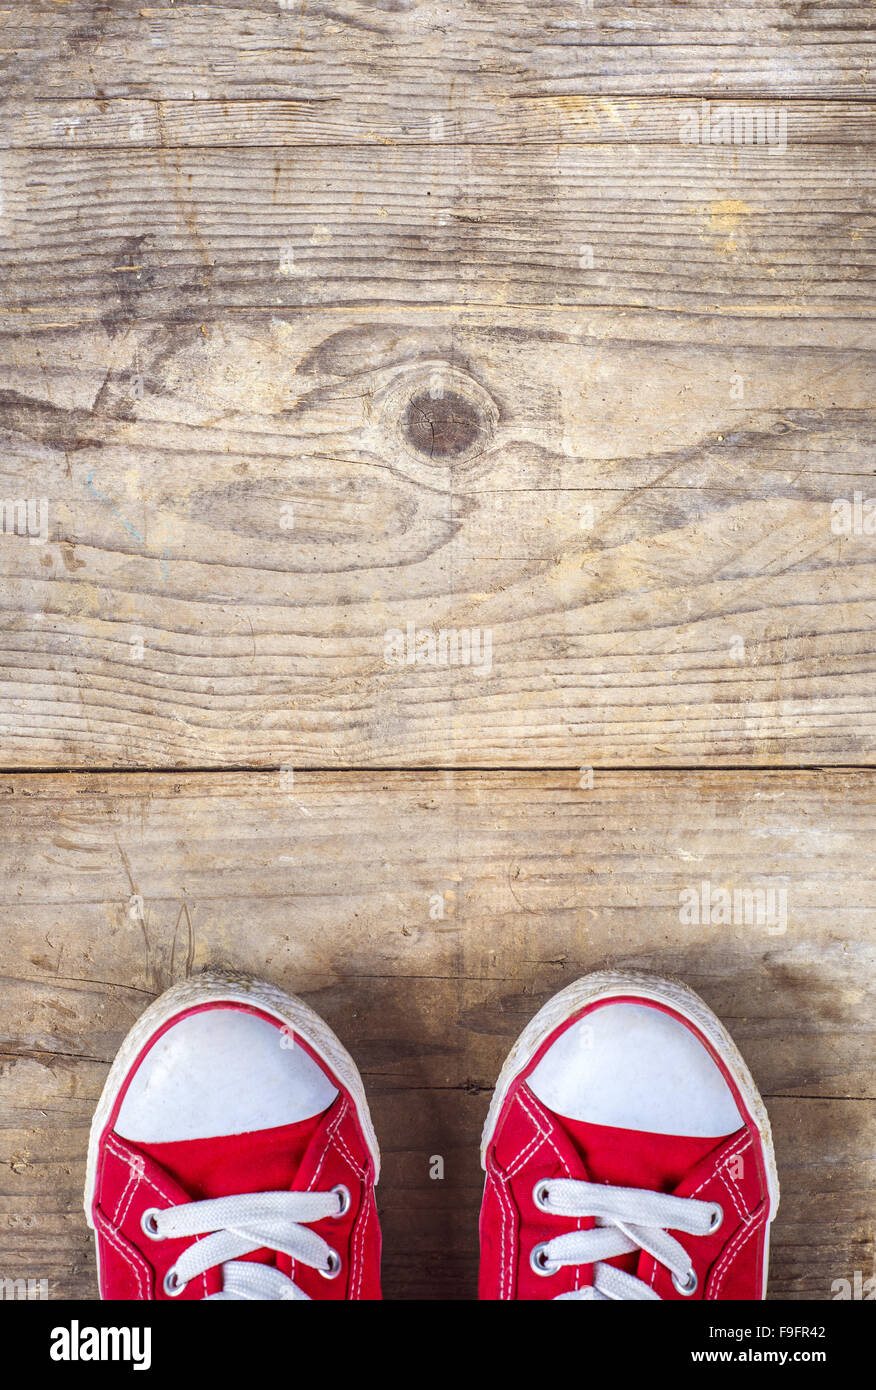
232 1155
627 1153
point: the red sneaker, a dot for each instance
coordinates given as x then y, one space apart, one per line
628 1154
232 1154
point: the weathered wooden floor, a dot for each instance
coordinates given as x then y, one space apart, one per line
328 328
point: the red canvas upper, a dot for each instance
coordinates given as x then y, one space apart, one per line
313 1155
531 1144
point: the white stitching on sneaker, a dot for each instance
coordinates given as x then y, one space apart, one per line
341 1145
129 1158
503 1187
722 1268
549 1124
116 1240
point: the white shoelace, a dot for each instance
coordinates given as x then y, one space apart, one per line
627 1219
235 1226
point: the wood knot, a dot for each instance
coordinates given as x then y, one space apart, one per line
438 423
443 425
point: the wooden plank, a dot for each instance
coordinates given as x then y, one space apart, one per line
424 54
638 508
138 122
188 231
115 886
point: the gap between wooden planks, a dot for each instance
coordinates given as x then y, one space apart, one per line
113 886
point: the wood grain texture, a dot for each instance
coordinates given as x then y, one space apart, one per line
239 513
471 118
186 231
318 321
114 887
421 53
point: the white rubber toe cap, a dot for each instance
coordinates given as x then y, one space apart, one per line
221 1071
635 1067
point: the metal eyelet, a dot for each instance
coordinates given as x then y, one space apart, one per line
689 1285
149 1225
540 1262
717 1218
541 1196
334 1266
343 1194
173 1285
